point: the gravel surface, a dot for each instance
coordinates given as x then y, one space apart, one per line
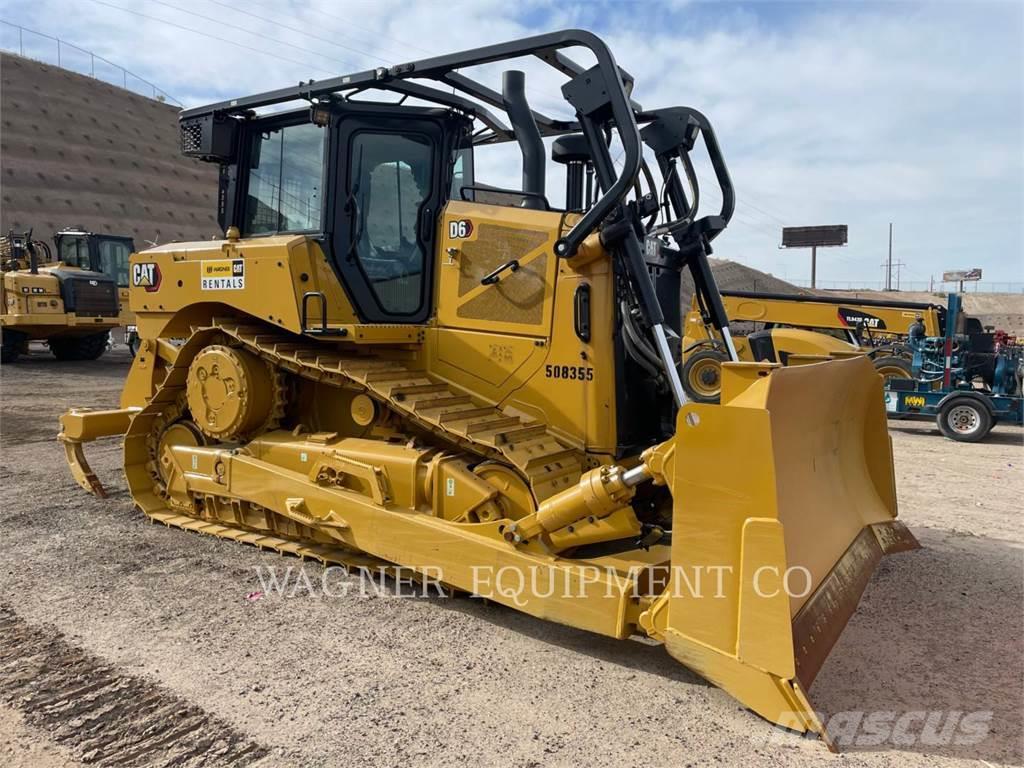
366 679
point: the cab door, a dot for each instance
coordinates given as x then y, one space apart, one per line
387 201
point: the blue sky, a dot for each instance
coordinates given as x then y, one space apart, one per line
857 113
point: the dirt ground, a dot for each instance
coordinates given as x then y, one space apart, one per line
126 643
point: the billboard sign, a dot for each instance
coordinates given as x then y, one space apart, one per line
814 237
962 275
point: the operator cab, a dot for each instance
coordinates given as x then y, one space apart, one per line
367 181
107 254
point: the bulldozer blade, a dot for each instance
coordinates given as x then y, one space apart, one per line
787 533
78 427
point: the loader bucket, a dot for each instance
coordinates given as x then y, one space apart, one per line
792 474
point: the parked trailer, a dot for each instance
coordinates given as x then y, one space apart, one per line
963 415
967 382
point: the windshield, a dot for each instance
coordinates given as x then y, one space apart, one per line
74 251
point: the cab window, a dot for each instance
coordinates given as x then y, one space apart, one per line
114 255
74 251
285 192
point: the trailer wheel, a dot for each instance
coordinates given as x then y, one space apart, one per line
701 376
892 367
11 345
964 419
80 347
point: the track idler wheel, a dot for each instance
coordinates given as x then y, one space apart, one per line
180 433
231 393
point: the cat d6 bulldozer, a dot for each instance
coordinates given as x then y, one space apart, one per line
386 360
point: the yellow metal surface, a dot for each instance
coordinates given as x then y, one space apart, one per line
819 434
78 427
825 315
229 392
32 305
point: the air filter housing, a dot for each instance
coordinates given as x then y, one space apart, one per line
209 137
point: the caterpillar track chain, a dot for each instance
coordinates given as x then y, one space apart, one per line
546 462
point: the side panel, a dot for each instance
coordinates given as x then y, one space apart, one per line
514 341
180 284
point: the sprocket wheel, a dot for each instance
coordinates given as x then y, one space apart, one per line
232 393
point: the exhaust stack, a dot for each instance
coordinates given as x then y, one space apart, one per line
513 94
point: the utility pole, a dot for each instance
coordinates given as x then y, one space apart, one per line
898 265
888 266
888 270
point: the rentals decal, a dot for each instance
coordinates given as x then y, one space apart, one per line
223 275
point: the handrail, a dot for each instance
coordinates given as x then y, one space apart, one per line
158 93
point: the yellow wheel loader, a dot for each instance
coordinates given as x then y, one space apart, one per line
70 308
800 329
109 254
386 360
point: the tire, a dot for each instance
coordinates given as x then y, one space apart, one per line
964 419
11 344
80 347
701 376
892 367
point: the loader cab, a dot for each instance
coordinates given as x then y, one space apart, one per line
368 182
107 254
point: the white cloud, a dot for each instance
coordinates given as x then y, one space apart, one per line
862 114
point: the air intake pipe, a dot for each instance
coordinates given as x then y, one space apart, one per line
513 95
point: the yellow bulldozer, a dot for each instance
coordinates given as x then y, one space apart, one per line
66 305
386 360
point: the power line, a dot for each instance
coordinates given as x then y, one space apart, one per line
217 38
303 32
348 23
274 40
763 211
888 267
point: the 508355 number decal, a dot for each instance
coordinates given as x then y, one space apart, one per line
570 372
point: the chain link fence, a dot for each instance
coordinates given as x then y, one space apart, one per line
30 44
981 286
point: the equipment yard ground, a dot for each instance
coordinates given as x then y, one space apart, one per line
369 680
